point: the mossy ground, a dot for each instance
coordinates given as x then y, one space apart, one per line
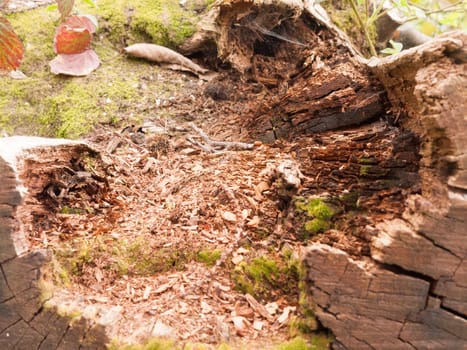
319 342
57 106
122 257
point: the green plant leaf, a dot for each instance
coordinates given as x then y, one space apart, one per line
90 3
52 7
396 48
11 47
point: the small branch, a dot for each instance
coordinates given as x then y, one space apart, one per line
212 146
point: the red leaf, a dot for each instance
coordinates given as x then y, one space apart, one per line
83 21
77 64
11 47
69 40
65 7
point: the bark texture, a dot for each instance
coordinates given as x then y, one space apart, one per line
411 291
306 77
25 320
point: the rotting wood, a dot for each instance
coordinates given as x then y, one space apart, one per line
25 322
307 77
410 292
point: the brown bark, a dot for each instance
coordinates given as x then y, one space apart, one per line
25 320
306 76
410 292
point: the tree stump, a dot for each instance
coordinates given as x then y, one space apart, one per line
25 320
411 291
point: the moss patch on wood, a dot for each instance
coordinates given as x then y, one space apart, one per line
318 214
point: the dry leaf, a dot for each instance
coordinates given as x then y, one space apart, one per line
161 54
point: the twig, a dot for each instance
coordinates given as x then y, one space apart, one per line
211 145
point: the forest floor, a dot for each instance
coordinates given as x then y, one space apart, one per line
162 235
170 244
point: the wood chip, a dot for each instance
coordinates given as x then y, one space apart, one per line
259 308
229 216
147 292
237 259
166 286
285 314
241 325
254 222
258 325
272 307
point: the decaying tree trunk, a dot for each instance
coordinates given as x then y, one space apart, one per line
394 275
307 78
26 164
411 292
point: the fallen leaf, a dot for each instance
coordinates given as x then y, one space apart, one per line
11 47
161 54
80 64
71 39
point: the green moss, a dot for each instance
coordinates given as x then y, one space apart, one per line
315 207
160 22
315 226
365 169
318 212
263 276
36 29
119 257
368 161
254 277
349 200
208 257
152 344
297 343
